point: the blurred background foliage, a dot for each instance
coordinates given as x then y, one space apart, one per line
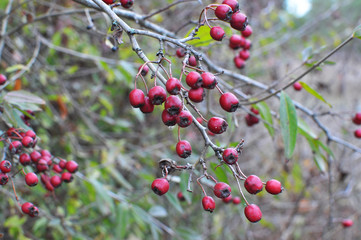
87 118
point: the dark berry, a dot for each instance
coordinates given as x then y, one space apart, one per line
238 21
25 159
192 61
223 12
144 71
169 120
347 223
253 213
15 147
34 212
228 199
244 54
217 125
31 179
273 187
194 80
208 203
236 41
247 31
148 106
222 190
184 149
181 52
217 33
239 62
209 80
173 105
297 86
67 177
230 156
27 142
35 156
196 95
71 166
55 181
236 200
357 119
126 3
136 98
184 119
229 102
5 166
253 184
181 197
4 178
357 133
173 86
160 186
3 79
157 95
233 4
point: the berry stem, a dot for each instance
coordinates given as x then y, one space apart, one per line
12 183
240 171
205 194
238 184
179 138
219 90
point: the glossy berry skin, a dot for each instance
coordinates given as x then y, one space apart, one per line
160 186
194 80
71 166
273 187
144 71
217 33
247 31
230 156
31 134
208 203
27 207
357 119
148 106
228 199
42 165
25 159
4 178
222 190
297 86
173 105
180 197
31 179
236 41
192 61
357 133
233 4
236 200
183 149
238 21
55 181
67 177
223 12
35 156
137 98
157 95
253 213
181 52
173 86
217 125
253 184
347 223
209 80
229 102
196 95
239 62
5 166
109 1
62 163
45 153
126 3
15 147
27 141
3 79
169 120
184 119
244 54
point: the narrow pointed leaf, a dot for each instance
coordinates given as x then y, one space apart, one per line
314 93
266 115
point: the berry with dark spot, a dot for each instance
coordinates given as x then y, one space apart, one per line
217 33
239 62
184 149
181 52
169 120
71 166
247 31
4 178
209 80
192 61
67 177
173 86
160 186
208 204
253 184
144 71
217 125
229 102
196 95
25 159
5 166
137 98
31 179
55 181
194 80
157 95
230 156
223 12
127 3
236 41
184 119
15 147
222 190
233 4
148 106
173 105
27 142
239 21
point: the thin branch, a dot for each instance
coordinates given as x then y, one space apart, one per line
5 25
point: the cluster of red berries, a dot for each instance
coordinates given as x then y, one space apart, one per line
21 150
357 120
124 3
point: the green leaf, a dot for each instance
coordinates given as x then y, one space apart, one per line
173 200
307 54
314 93
105 202
357 32
288 121
183 185
305 130
21 96
14 68
204 37
320 162
12 117
123 216
219 172
327 149
266 115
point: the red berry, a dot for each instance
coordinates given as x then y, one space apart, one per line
251 120
253 213
55 181
44 178
31 134
27 141
357 119
239 62
230 156
227 199
157 95
222 190
273 187
236 41
236 200
49 186
25 159
238 21
184 119
67 177
35 156
57 168
27 207
233 4
15 147
173 86
196 95
3 79
45 153
184 149
194 80
126 3
244 54
109 1
31 179
357 133
347 223
4 178
62 163
181 197
247 44
253 184
192 61
208 203
71 166
247 31
181 52
169 120
255 111
217 125
223 12
136 98
217 33
209 80
11 132
199 119
173 105
34 212
144 71
297 86
148 106
160 186
5 166
229 102
42 165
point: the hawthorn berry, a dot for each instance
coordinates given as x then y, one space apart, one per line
229 102
35 156
253 184
180 197
347 223
181 52
3 79
244 54
67 177
157 95
357 119
27 207
236 200
31 179
253 213
217 125
223 12
34 212
49 186
31 134
217 33
169 120
44 178
209 80
160 186
11 132
137 98
4 178
236 41
27 142
230 156
25 159
144 71
239 62
173 105
183 149
173 86
247 31
238 21
196 95
194 80
208 203
228 199
126 3
222 190
184 119
233 4
62 163
5 166
55 181
273 187
109 1
357 133
71 166
57 168
148 107
45 153
15 147
247 44
192 61
42 165
297 86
